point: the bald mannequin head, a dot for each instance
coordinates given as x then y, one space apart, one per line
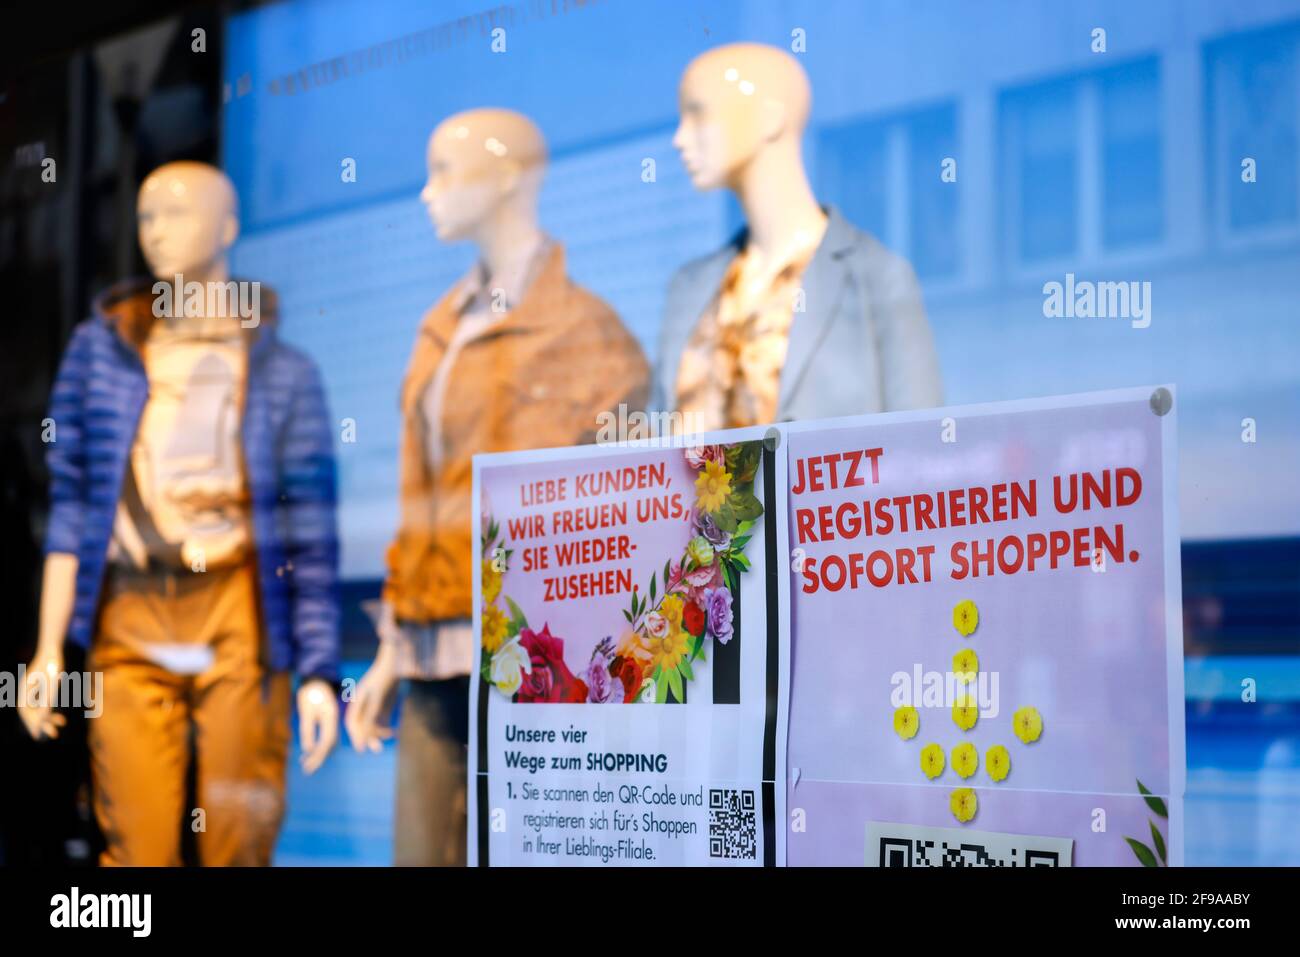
483 165
737 102
188 219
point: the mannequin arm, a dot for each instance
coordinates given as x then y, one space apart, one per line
366 717
308 496
58 590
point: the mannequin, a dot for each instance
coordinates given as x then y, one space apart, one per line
744 109
515 356
753 333
188 536
485 174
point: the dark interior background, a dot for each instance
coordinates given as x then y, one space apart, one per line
111 91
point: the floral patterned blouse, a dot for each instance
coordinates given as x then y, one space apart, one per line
730 373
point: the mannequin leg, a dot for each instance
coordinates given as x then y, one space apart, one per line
139 745
241 718
431 768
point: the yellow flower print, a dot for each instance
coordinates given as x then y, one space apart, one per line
712 486
494 628
965 759
932 761
965 712
669 650
699 551
965 666
906 722
671 609
964 804
965 617
491 581
997 761
1028 724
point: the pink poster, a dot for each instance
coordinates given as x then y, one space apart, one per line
625 709
987 648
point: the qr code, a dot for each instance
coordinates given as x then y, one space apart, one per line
902 845
733 831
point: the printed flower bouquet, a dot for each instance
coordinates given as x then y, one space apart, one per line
668 626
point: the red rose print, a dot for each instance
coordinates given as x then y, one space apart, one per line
693 618
627 671
550 679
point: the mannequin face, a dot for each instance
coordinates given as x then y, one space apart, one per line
720 130
186 220
737 101
482 163
464 187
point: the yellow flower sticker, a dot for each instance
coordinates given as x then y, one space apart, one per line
965 759
964 804
1028 724
906 722
712 486
997 761
671 608
965 617
932 761
494 628
965 712
491 581
965 666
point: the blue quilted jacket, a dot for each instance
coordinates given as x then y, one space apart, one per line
99 394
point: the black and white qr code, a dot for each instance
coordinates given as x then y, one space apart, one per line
905 852
733 828
903 845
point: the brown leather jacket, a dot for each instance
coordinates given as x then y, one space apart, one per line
538 378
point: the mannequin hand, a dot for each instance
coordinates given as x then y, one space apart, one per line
318 723
372 701
36 697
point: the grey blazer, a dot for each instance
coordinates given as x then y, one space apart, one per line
862 344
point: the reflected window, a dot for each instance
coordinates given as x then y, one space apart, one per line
1252 86
1082 164
853 174
1131 181
932 138
885 175
1042 143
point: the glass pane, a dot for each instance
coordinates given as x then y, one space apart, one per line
932 137
1042 159
1131 179
853 174
1254 112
